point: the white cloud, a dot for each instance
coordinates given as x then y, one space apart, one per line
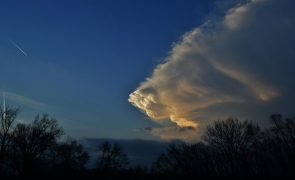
242 62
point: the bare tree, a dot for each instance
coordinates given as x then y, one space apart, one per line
284 130
278 146
184 159
31 141
111 157
233 140
7 119
70 155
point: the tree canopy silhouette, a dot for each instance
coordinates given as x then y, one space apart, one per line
7 118
29 149
111 157
32 141
228 147
234 148
233 141
69 155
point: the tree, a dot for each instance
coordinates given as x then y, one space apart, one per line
231 135
184 159
7 118
284 130
233 142
111 157
69 155
277 149
32 141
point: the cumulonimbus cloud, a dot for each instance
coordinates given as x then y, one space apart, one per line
228 67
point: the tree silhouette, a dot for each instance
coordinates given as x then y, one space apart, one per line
183 159
231 135
228 151
7 118
228 148
69 155
277 148
233 142
32 141
284 130
111 157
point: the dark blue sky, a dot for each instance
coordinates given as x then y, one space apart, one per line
85 57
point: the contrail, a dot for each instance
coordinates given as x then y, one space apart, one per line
17 46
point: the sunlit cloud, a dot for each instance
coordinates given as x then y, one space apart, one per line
240 60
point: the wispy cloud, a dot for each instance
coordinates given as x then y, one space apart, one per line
18 47
23 100
238 63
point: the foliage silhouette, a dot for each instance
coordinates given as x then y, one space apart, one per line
235 148
230 148
32 141
183 159
8 116
111 157
232 141
68 156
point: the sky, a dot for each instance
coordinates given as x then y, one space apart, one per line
140 69
78 60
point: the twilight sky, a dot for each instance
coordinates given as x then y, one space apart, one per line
182 63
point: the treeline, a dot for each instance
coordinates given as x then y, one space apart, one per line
236 149
36 148
228 148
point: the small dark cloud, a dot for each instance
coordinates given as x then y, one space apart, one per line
148 129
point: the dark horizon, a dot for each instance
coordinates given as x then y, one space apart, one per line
228 148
